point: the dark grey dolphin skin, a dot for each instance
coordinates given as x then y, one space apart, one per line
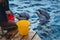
23 16
43 16
44 13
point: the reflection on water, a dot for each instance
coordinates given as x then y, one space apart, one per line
50 31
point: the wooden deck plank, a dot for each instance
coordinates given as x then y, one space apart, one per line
31 36
36 37
17 37
27 37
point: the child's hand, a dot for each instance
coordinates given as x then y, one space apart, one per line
8 12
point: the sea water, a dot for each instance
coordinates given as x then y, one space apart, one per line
50 31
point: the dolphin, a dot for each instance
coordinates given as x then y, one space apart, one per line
43 16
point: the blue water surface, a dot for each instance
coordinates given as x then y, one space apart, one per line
50 31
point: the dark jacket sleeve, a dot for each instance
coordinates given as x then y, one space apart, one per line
6 6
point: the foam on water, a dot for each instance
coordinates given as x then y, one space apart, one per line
50 31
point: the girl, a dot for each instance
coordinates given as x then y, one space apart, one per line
4 11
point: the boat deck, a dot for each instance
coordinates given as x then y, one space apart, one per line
16 36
